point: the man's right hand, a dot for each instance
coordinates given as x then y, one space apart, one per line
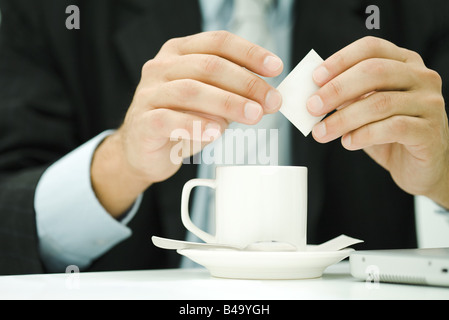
209 78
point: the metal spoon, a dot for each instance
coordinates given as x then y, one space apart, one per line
171 244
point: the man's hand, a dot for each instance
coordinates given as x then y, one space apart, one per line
390 105
211 78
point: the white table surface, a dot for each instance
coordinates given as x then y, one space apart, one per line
197 284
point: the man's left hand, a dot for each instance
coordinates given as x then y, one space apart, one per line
389 104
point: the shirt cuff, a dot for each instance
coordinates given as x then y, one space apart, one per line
72 225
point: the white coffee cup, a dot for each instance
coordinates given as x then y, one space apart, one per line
254 204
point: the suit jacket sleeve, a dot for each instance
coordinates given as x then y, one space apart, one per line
35 131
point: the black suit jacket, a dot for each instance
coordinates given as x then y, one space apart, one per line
59 88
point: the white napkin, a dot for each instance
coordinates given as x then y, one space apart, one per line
339 243
296 89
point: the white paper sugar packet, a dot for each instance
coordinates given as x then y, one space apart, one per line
296 89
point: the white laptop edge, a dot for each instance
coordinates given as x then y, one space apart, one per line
412 266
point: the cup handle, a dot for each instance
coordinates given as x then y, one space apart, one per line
185 215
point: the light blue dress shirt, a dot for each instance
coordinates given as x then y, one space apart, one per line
73 227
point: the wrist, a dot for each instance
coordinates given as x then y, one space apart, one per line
440 194
116 184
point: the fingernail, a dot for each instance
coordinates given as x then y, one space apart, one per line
272 63
315 105
252 111
321 75
320 131
347 141
273 100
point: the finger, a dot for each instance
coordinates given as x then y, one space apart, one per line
377 106
363 49
233 48
365 77
194 96
226 75
166 123
348 103
405 130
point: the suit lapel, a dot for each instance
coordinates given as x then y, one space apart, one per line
139 39
310 30
327 25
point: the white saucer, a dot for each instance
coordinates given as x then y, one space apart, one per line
265 265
